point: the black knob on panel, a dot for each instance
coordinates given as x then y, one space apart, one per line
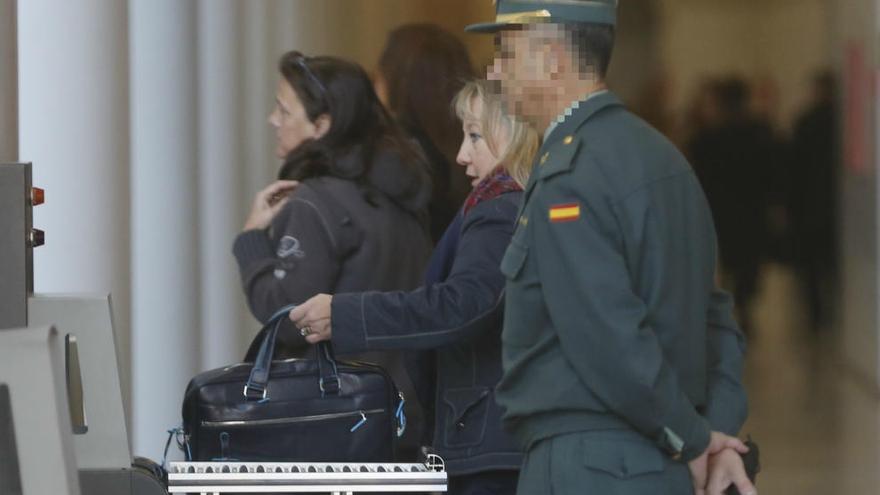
38 238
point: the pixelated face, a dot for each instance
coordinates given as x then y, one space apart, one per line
520 68
474 153
530 63
289 118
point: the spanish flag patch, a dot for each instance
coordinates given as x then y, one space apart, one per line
565 213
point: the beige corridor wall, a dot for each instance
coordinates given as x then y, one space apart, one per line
787 40
858 25
356 29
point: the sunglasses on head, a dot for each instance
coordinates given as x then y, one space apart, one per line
301 61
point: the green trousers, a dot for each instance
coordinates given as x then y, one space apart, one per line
604 462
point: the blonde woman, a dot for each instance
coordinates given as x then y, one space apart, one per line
458 313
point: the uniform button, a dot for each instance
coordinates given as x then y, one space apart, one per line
568 139
460 425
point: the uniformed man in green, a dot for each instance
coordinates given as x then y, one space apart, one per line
622 361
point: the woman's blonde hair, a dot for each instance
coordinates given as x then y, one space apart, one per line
523 141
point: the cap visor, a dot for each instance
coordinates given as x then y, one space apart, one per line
487 27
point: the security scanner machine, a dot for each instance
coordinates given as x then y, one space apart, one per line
62 423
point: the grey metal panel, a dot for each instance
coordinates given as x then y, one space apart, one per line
89 318
144 484
74 386
10 475
101 481
119 482
32 365
8 80
16 261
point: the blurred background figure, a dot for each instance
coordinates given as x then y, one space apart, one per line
813 200
734 153
765 108
703 112
765 102
421 69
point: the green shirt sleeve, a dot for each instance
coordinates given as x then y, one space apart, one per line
727 405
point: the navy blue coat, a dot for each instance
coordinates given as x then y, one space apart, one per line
460 319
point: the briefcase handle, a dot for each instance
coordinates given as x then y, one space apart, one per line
258 382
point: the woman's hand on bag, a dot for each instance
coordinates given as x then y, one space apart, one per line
268 202
313 318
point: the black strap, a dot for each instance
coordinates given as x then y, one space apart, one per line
258 381
328 381
255 389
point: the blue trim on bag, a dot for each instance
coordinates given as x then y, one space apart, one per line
401 416
359 423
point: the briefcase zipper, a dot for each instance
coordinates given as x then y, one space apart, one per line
287 421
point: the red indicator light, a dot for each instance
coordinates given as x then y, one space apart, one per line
38 196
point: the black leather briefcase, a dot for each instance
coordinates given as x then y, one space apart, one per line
296 410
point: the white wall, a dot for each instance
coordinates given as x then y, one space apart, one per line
74 127
166 312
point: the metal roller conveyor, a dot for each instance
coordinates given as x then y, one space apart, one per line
312 477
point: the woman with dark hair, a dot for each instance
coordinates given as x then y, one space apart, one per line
421 69
347 213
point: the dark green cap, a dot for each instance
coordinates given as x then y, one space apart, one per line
510 13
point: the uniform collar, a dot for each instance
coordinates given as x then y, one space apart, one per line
570 110
578 113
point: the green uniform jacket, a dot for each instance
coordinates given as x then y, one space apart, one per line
612 317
